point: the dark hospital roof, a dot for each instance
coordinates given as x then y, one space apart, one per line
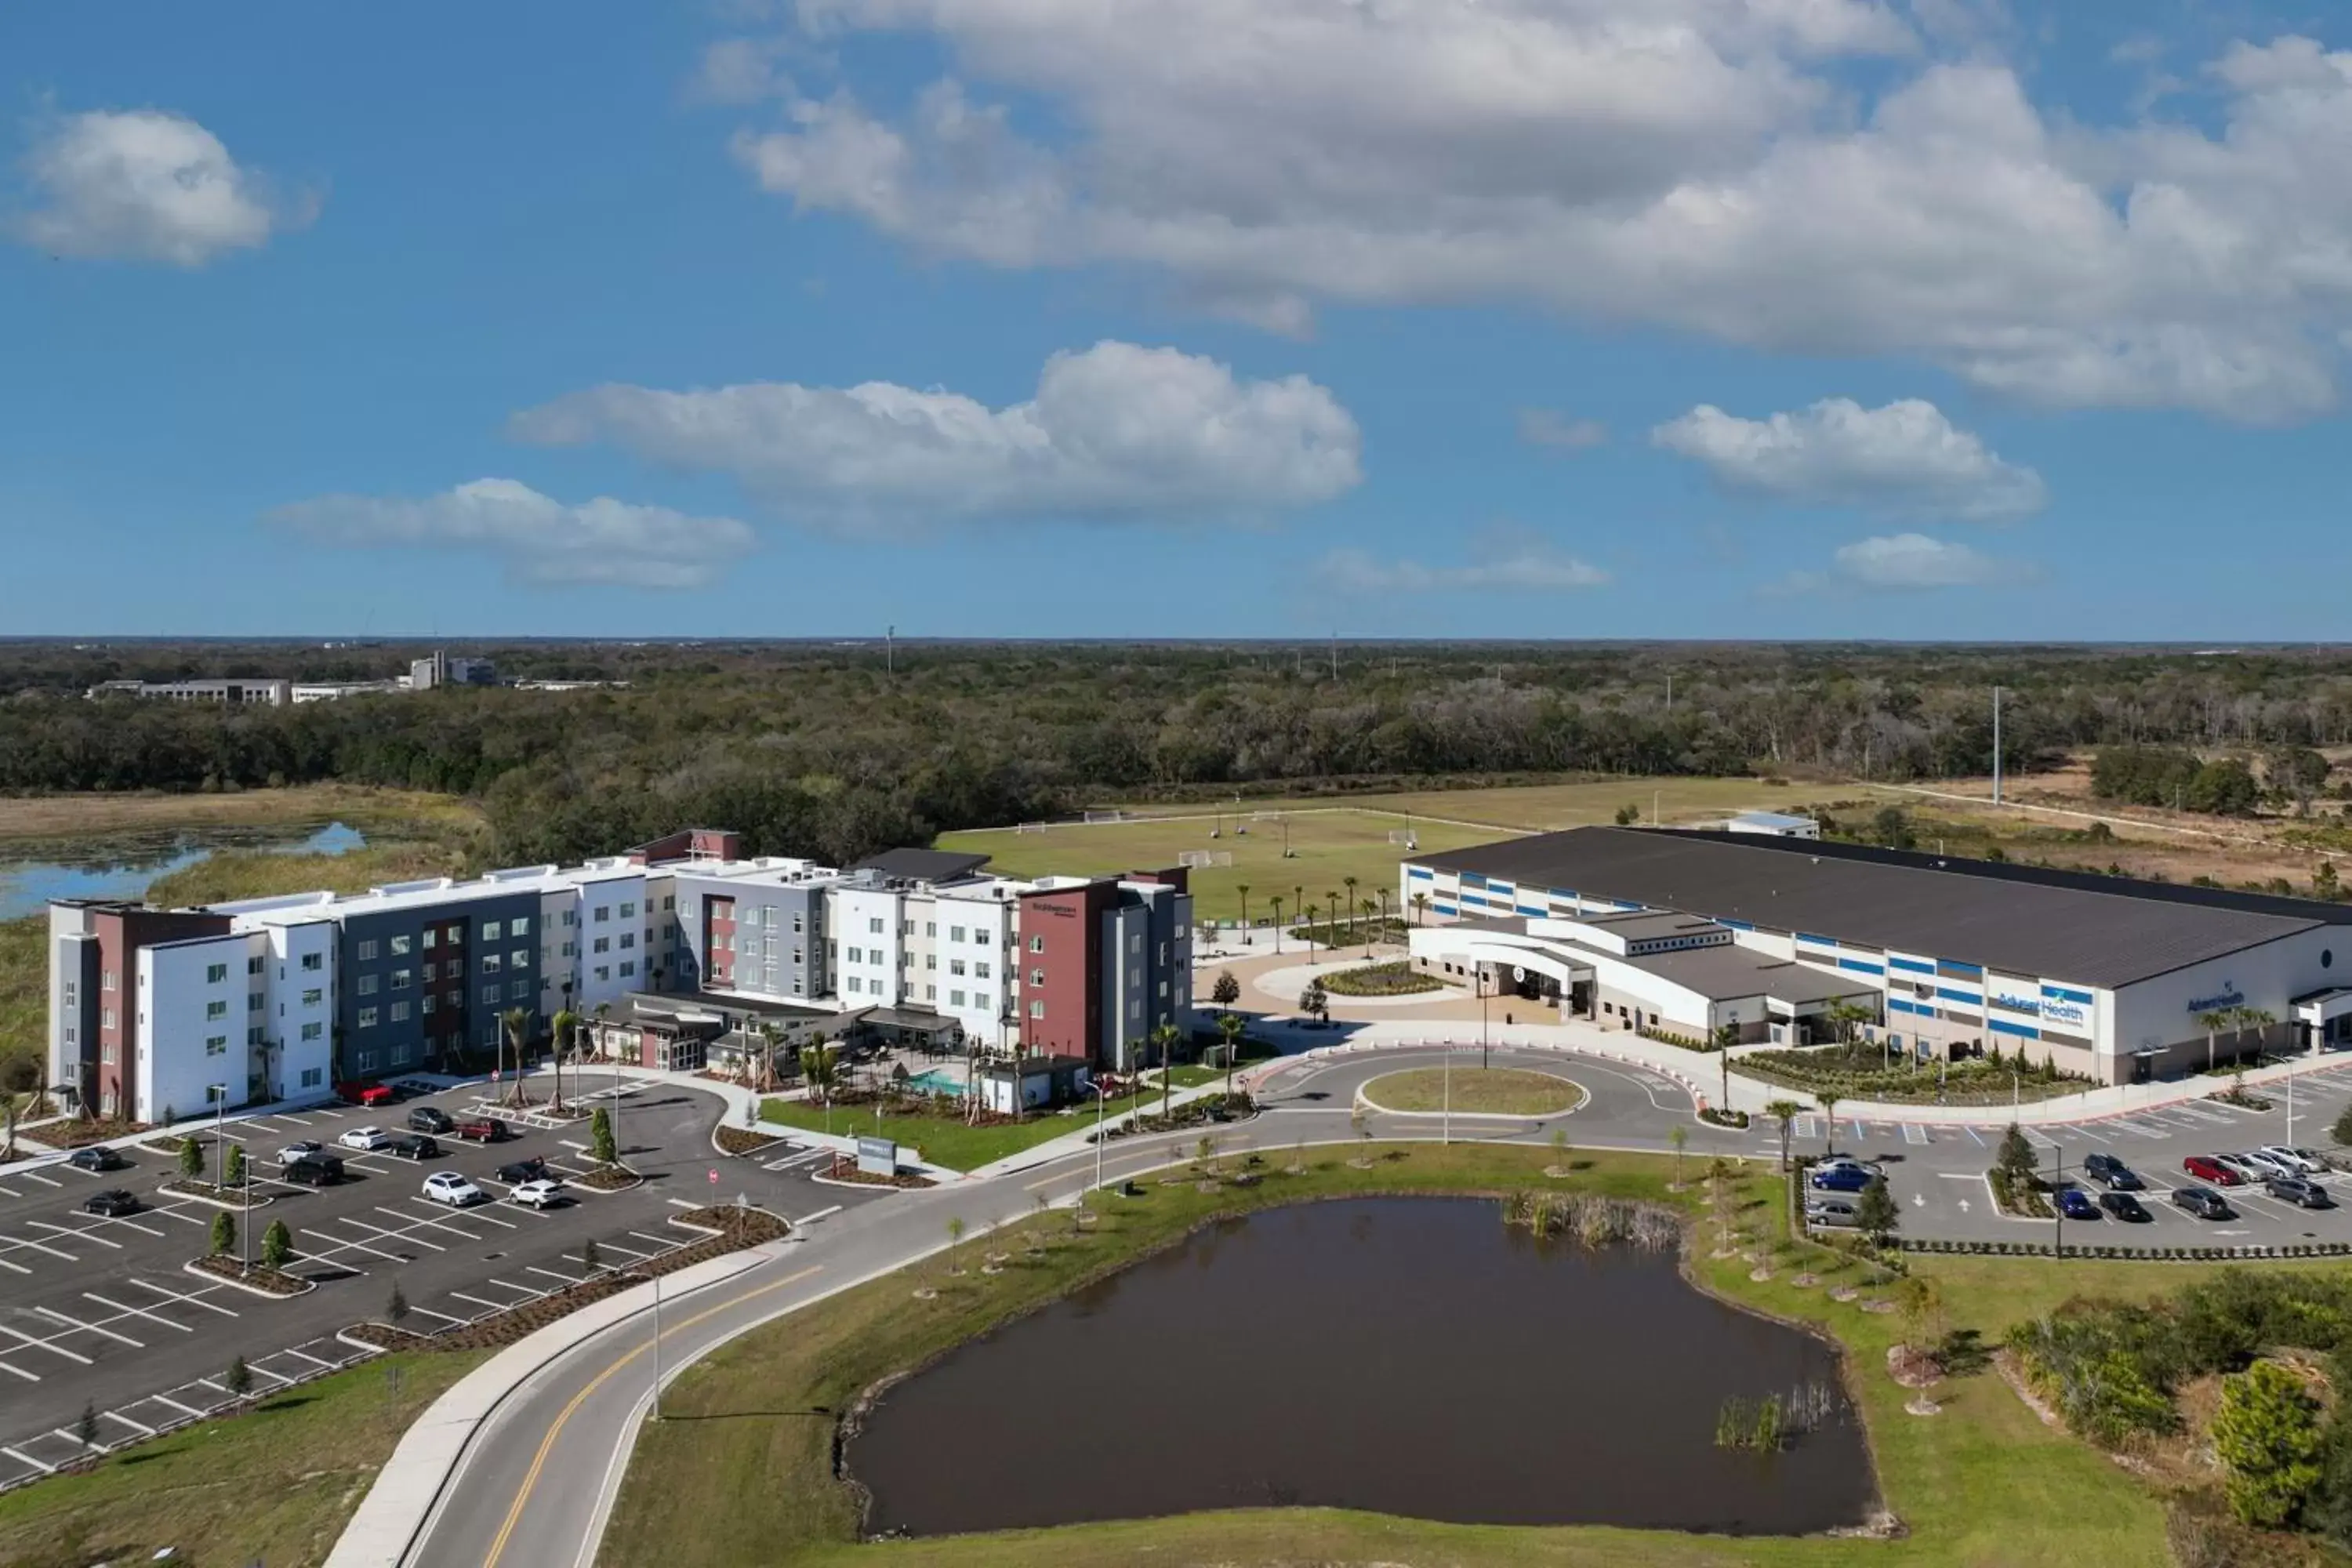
922 865
2099 931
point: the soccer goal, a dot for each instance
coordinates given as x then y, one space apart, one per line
1102 817
1204 859
1266 817
1404 836
1029 827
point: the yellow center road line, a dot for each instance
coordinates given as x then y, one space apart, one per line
555 1430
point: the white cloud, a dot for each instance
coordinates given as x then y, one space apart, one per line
1904 459
1550 428
146 185
1502 560
539 540
739 70
1114 431
1698 164
1914 560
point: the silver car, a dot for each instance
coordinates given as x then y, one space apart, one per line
2298 1161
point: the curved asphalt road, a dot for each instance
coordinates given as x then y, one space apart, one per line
537 1481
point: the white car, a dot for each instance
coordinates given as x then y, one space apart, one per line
449 1187
303 1151
365 1138
537 1194
2300 1162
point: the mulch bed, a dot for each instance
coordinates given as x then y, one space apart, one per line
235 1197
743 1141
844 1169
259 1276
75 1134
607 1179
1913 1368
736 1227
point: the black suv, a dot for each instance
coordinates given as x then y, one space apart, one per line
2112 1173
2203 1202
96 1158
415 1146
517 1172
2124 1207
112 1203
425 1119
312 1171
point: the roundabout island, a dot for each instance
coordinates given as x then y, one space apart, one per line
1495 1091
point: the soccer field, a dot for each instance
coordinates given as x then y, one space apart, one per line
1541 808
1328 844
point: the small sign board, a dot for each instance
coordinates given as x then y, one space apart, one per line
877 1157
714 1176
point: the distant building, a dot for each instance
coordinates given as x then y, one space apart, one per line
234 692
440 669
1778 824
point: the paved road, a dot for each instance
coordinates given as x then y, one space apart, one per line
102 1312
539 1479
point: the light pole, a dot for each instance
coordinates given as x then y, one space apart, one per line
219 1091
658 1370
1102 1108
1482 1018
1445 1132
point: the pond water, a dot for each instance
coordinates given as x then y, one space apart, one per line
1410 1356
125 866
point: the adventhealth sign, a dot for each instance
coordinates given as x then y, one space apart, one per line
2231 997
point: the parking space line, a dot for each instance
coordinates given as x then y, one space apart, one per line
18 1267
552 1274
416 1222
174 1211
343 1244
72 1323
45 1345
661 1243
45 1180
184 1409
1914 1133
23 1243
135 1311
75 1232
23 1458
20 1372
493 1306
405 1233
139 1427
194 1299
431 1313
531 1293
314 1360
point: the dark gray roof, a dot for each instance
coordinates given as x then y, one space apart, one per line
1646 926
1729 974
922 865
2099 931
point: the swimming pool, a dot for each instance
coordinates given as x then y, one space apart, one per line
939 1080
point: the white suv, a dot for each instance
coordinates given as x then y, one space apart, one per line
541 1193
449 1187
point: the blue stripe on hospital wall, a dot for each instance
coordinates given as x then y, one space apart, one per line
1896 1005
2003 1026
2067 994
1447 910
1957 967
1536 910
1473 880
1969 997
1817 941
1737 925
1913 965
1859 967
1623 905
1419 873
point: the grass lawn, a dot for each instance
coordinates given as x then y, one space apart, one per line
945 1140
1540 808
1332 846
275 1485
1507 1092
1982 1486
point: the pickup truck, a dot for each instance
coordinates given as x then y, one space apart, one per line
481 1129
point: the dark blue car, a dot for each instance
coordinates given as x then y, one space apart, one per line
1841 1179
2076 1203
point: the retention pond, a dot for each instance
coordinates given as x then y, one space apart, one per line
1410 1356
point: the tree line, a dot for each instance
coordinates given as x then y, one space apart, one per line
834 749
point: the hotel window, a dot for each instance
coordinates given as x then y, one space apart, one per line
1036 977
628 939
1037 1009
604 972
215 1045
955 998
604 913
491 963
399 1012
571 950
796 922
432 973
255 1001
453 968
215 973
424 1006
366 986
572 917
981 999
367 1017
216 1010
519 991
519 926
453 999
1036 944
603 944
400 979
955 934
366 1060
253 1036
629 910
253 965
312 1031
955 966
854 983
456 937
930 928
367 950
980 969
399 946
628 967
430 937
490 995
669 901
491 930
874 926
518 959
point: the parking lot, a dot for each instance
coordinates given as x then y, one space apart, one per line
102 1312
1937 1173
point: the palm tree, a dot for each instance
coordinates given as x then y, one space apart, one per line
1785 1112
2245 1018
1725 1037
2212 1023
515 1030
565 1026
818 1064
1230 1025
1351 882
1299 901
1384 911
1242 888
1164 1039
1829 1099
1277 902
603 1013
1419 907
771 1036
8 1112
1373 933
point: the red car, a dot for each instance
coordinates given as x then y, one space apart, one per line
2206 1168
363 1094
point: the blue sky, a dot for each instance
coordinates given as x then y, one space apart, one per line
1569 318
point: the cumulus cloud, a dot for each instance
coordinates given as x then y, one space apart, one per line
1699 164
145 185
538 539
1903 460
1906 562
1116 431
1550 428
1501 560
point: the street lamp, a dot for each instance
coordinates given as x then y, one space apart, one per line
1483 1041
219 1091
